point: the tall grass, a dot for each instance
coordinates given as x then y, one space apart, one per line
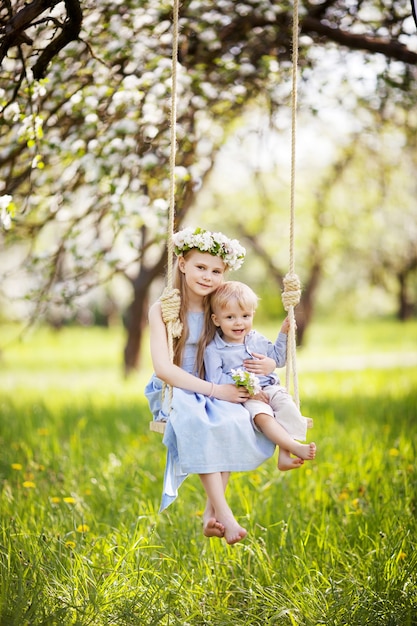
81 539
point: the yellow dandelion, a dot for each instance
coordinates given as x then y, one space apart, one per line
87 492
70 544
55 499
29 484
83 528
17 466
355 502
394 452
69 500
401 556
344 495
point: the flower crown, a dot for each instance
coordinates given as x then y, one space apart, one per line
217 244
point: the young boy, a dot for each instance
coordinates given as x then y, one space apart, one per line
272 409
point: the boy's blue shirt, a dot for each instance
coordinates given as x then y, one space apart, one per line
221 357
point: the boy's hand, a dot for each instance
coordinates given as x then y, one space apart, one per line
285 328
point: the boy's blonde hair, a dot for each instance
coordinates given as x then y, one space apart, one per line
233 290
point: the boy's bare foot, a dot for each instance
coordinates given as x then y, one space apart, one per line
306 451
213 528
287 462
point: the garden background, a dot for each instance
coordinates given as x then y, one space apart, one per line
82 541
85 103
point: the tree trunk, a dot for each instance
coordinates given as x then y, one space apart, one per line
137 313
405 307
305 310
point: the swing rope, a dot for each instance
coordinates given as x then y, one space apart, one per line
292 286
170 298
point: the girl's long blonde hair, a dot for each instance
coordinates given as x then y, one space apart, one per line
209 328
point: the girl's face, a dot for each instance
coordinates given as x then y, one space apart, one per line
234 321
203 272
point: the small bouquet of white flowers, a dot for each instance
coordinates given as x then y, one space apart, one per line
242 378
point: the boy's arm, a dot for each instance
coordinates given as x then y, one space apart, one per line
280 349
276 351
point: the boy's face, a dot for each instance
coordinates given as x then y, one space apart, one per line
234 321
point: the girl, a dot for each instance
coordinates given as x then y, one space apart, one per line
205 434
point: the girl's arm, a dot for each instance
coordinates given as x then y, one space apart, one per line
176 376
261 365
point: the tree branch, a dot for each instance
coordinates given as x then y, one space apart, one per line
390 49
14 31
70 32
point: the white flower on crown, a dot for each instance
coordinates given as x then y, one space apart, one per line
217 244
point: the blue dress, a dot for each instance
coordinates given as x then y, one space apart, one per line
203 435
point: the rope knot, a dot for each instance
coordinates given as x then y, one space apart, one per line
292 291
170 307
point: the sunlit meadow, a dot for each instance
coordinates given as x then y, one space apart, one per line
82 542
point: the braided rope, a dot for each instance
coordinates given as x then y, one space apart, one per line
168 312
170 299
292 287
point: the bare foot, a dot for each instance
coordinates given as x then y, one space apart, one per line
233 535
306 451
213 528
233 532
287 462
310 422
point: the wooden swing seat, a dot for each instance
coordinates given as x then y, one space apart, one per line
157 426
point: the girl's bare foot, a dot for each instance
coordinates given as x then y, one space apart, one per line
213 528
233 532
287 462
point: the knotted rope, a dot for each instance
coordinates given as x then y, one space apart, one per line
292 286
170 306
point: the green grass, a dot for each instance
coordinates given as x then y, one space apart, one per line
81 539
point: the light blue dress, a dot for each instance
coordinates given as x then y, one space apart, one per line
203 435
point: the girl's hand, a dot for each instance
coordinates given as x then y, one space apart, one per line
261 365
231 393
